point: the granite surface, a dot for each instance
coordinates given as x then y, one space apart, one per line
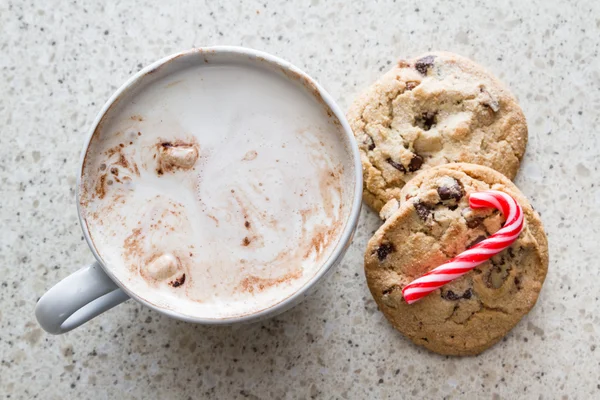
61 61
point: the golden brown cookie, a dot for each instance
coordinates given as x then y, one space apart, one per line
434 223
435 109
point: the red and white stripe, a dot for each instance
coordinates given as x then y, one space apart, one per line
479 253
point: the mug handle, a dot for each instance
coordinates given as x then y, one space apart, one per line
78 298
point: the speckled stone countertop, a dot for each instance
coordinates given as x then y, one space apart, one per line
62 60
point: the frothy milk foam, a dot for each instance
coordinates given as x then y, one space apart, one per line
218 189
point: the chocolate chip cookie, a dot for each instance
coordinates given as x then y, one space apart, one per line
435 109
434 223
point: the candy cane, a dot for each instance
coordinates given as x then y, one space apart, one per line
479 253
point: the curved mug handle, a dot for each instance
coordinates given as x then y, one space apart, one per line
77 299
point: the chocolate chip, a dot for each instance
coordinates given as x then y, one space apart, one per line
450 295
423 64
453 191
423 210
497 264
384 250
499 272
426 120
246 241
474 223
478 239
415 163
410 85
396 165
370 143
430 119
511 254
517 283
247 224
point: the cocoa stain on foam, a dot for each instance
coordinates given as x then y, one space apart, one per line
252 216
132 245
100 190
115 157
174 83
213 218
316 242
88 191
250 155
322 236
330 186
313 244
320 240
252 283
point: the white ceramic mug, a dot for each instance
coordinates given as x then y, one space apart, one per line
94 289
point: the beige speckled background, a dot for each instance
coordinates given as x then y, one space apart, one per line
60 61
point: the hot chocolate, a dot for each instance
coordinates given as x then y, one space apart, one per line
217 189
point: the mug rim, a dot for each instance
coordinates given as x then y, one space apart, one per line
351 221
